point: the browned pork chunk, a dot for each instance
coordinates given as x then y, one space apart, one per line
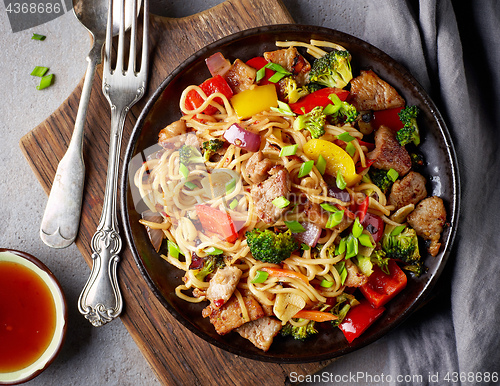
240 76
409 190
388 153
263 194
354 277
229 316
369 92
222 285
166 137
257 167
292 61
261 332
428 220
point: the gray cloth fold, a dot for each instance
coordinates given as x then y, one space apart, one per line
453 50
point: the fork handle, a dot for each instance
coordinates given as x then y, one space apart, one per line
101 301
61 219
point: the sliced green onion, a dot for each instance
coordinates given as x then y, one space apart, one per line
331 109
341 247
295 226
396 231
350 149
190 185
276 77
260 277
365 240
289 150
351 247
39 71
334 219
281 202
38 37
173 249
393 175
340 267
345 136
233 204
230 186
45 82
213 251
276 67
260 74
340 181
357 228
329 207
326 284
306 168
321 164
283 108
184 170
305 247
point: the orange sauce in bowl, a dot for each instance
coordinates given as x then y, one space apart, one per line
27 316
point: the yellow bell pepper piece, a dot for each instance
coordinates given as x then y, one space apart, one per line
255 100
336 159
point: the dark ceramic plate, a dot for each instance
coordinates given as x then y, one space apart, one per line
163 109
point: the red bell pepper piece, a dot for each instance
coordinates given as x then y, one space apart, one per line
381 287
258 62
389 118
317 98
215 221
359 318
362 208
209 87
368 162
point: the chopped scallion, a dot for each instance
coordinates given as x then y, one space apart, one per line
396 231
340 248
357 228
184 170
340 267
45 82
173 249
289 150
260 74
350 149
276 77
351 247
341 184
283 108
39 71
213 251
281 202
305 247
321 164
365 240
295 226
276 67
190 185
331 109
328 207
326 284
393 175
230 186
233 204
306 168
38 37
334 219
260 277
345 136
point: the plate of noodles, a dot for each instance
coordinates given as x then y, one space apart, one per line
290 193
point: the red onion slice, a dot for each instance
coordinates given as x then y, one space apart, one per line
310 236
242 138
155 235
217 64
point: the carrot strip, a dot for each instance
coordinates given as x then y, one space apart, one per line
279 272
317 316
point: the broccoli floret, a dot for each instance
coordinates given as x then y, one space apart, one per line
403 246
271 247
211 263
292 92
340 111
382 178
332 69
344 303
211 146
314 121
311 87
190 155
300 333
379 258
409 132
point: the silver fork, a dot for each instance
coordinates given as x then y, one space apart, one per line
101 300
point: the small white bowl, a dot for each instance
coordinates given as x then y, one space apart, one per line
56 343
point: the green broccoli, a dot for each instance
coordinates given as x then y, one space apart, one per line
379 258
403 245
409 132
314 121
190 155
344 303
300 333
312 87
210 264
340 111
271 247
292 92
211 147
382 178
332 69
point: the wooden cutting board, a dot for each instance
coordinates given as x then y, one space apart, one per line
177 356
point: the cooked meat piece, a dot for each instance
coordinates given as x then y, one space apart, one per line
264 193
230 316
428 220
369 92
354 277
292 61
168 134
260 332
388 153
192 140
222 285
257 167
410 190
240 76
